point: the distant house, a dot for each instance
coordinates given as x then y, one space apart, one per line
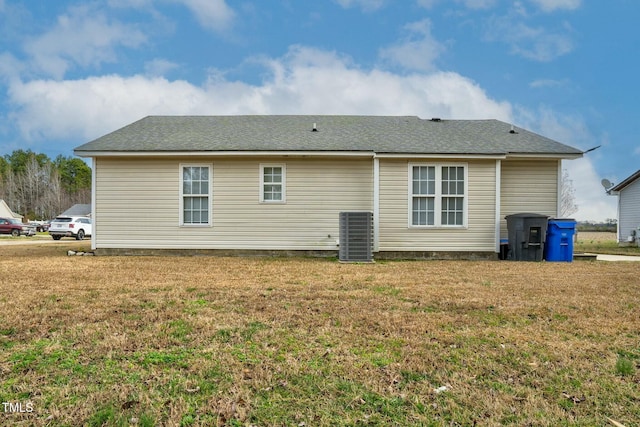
628 192
435 188
6 212
78 210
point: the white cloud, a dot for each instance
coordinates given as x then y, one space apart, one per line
10 67
427 4
470 4
366 5
418 51
547 83
136 4
478 4
305 81
83 37
552 5
593 203
537 44
159 67
214 15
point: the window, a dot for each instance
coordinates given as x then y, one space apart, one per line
437 195
424 192
452 195
272 183
195 195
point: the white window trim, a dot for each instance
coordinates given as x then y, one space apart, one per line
284 182
438 196
210 195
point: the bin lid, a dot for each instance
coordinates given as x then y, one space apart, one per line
562 222
526 215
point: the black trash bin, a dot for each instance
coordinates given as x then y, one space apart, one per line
527 234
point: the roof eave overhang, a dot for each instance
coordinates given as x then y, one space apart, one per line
369 154
303 153
491 156
630 180
558 156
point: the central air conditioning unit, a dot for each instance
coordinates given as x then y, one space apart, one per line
356 237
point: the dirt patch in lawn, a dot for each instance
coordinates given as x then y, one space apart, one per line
247 341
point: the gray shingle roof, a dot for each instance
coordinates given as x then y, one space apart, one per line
629 180
380 134
78 210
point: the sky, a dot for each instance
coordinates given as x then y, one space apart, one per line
74 70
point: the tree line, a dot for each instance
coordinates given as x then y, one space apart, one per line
40 188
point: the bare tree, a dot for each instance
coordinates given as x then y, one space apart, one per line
568 204
38 188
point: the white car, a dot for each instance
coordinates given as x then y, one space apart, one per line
70 226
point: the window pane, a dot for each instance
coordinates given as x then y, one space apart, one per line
272 192
452 210
423 180
196 210
452 180
417 208
422 211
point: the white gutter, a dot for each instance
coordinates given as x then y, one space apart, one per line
376 204
369 154
93 203
559 191
544 156
440 156
498 205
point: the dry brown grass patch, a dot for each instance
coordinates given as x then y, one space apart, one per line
240 341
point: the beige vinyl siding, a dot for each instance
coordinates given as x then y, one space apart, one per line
528 186
395 233
137 204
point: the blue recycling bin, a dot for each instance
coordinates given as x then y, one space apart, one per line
559 244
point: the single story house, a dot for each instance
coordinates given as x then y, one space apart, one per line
628 192
261 184
6 212
79 209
